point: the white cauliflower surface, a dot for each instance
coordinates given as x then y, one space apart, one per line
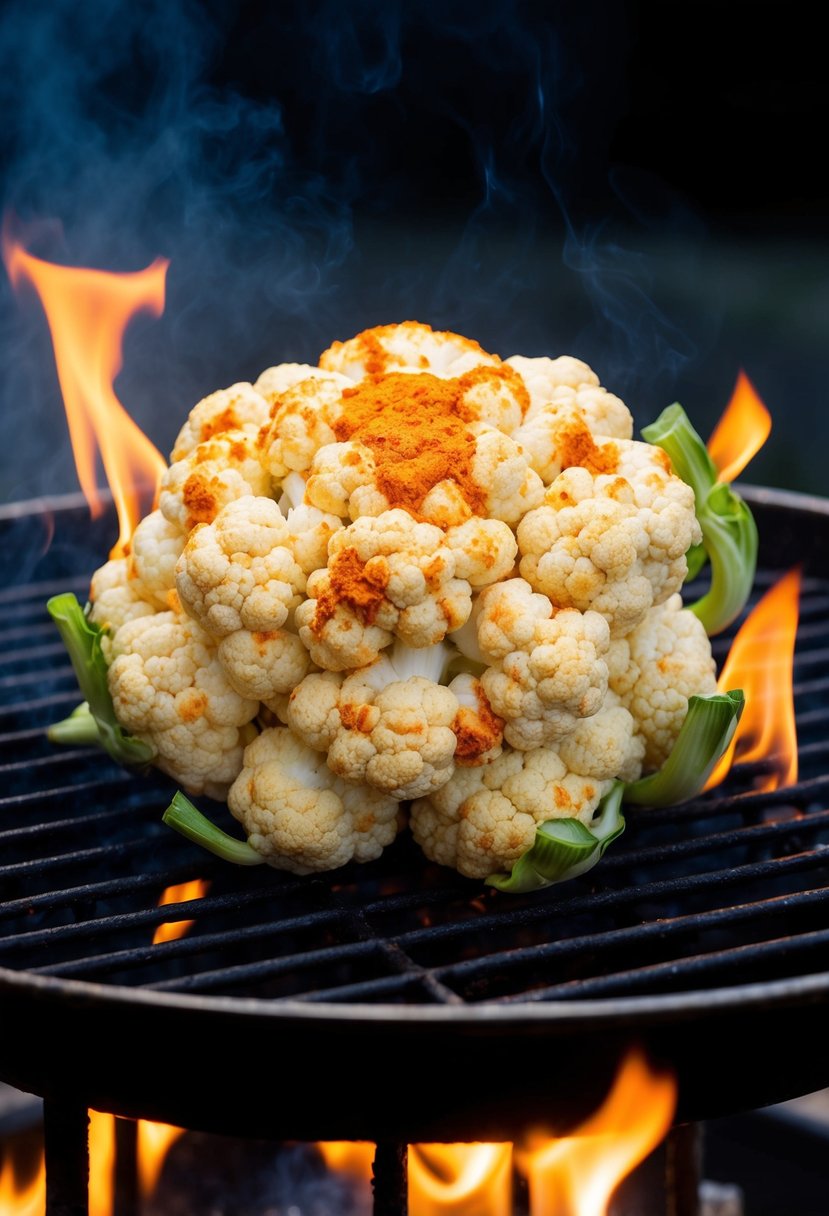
301 819
451 578
168 688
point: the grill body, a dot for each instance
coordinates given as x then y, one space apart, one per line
432 1010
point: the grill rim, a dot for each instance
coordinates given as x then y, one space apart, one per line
563 1015
559 1015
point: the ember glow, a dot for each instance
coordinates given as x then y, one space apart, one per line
88 312
460 1179
21 1196
180 893
761 663
741 431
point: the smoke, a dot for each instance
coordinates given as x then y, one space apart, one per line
310 169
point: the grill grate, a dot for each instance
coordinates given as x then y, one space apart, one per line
732 888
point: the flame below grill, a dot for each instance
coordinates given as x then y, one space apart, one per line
701 916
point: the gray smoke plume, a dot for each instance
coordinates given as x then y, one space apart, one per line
313 169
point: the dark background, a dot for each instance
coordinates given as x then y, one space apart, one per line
642 185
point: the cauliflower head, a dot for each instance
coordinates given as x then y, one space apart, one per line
413 573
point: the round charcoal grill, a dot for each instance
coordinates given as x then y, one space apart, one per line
430 1007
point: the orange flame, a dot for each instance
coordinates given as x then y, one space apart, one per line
354 1157
577 1175
741 431
154 1143
88 312
760 662
101 1163
179 893
18 1198
460 1179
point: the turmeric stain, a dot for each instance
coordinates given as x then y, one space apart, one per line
576 446
355 583
415 426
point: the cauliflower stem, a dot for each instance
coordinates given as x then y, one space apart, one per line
93 722
729 533
565 848
708 729
186 819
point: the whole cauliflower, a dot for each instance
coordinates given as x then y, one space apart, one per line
413 573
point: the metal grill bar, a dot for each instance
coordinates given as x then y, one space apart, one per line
89 930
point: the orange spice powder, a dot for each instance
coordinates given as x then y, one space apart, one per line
477 732
358 584
415 427
575 446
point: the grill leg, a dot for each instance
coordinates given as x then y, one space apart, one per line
390 1179
65 1129
683 1158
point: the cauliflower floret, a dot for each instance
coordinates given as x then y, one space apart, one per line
238 408
274 381
114 599
310 529
264 665
299 816
155 548
226 467
387 725
556 438
483 819
347 480
169 689
544 375
549 669
606 746
239 572
670 660
300 423
389 575
612 534
410 344
478 730
557 388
